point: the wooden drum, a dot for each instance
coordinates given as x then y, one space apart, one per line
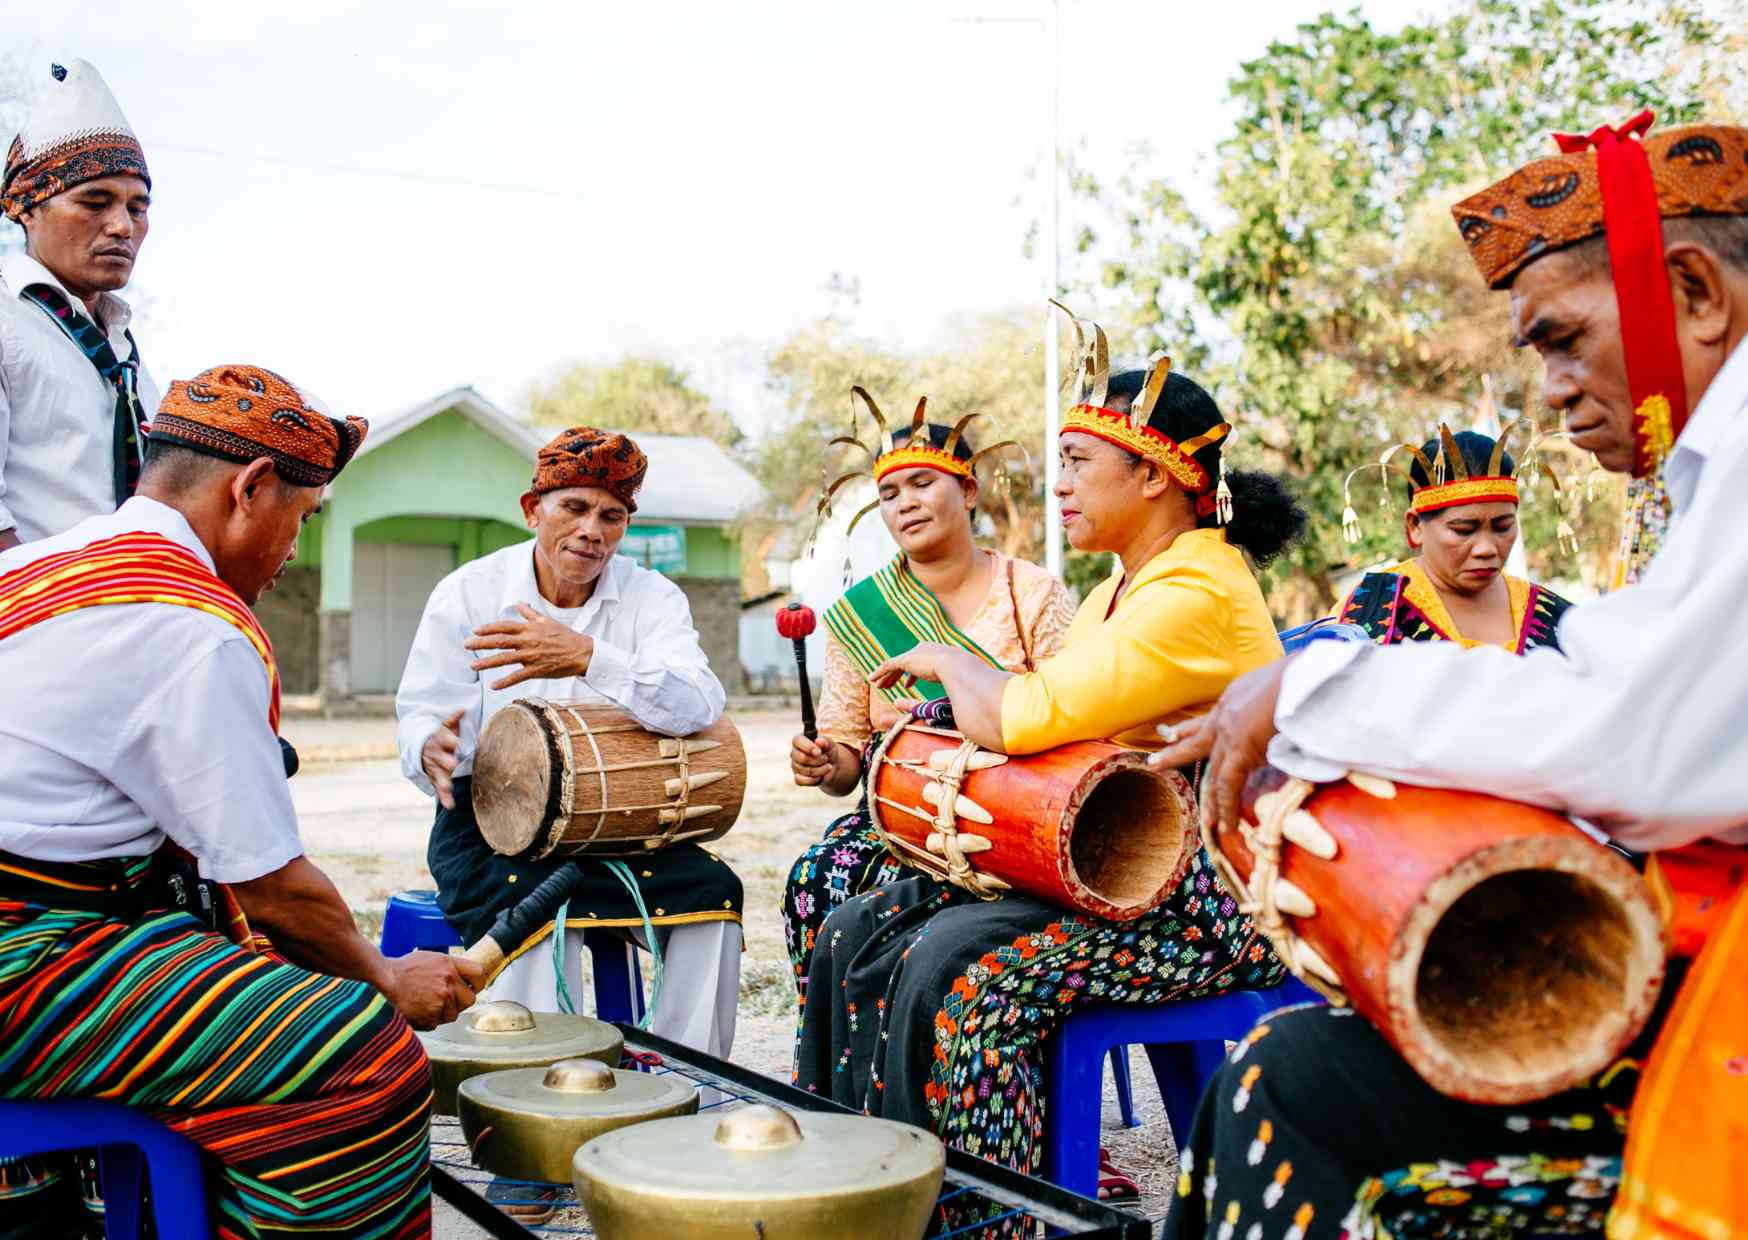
573 779
1504 953
1088 826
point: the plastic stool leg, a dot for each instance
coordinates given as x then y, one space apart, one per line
1125 1090
1074 1088
1183 1070
178 1182
120 1167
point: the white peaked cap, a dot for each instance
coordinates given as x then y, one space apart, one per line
75 132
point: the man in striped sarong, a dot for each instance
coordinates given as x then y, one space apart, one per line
139 702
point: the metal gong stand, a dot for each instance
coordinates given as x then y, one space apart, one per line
1008 1199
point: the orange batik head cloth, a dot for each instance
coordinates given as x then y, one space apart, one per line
1620 182
1140 429
924 446
242 413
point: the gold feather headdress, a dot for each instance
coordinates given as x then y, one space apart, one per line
1452 484
1131 431
915 453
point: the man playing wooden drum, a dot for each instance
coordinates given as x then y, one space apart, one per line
1626 258
565 619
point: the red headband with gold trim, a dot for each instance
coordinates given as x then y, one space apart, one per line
916 452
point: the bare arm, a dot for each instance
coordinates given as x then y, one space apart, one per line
298 908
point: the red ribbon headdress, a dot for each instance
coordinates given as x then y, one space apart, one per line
1633 224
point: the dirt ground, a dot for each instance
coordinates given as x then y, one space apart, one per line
367 827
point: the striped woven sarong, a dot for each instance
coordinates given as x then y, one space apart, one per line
311 1093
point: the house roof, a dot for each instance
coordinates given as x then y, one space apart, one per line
690 480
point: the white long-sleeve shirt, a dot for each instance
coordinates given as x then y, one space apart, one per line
647 659
57 414
126 723
1641 727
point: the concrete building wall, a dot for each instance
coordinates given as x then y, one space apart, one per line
716 615
288 613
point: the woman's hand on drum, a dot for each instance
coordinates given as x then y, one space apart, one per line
924 661
1234 737
440 755
543 648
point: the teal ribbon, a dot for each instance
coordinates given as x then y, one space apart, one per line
623 872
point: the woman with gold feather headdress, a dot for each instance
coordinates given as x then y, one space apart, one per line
1462 524
930 1006
941 587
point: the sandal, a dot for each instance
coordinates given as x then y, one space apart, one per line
529 1204
1114 1184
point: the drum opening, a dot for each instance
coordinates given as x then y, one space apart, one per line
1128 837
1525 972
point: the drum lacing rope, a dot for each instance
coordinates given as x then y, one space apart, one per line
600 771
950 863
1257 899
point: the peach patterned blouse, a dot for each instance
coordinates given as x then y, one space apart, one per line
1019 624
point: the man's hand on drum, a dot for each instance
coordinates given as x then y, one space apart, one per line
1234 737
541 647
439 757
429 988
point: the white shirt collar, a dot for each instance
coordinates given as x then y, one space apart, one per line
21 271
521 585
1711 421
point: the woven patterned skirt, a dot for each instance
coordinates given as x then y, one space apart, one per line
310 1094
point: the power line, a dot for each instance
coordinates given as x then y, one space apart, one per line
395 174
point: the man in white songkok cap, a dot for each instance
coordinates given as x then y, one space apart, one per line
73 392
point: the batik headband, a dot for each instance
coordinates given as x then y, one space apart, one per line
243 413
585 457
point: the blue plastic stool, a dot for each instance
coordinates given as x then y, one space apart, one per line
1185 1042
414 922
129 1142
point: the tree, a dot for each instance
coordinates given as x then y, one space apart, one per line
990 365
1337 309
633 394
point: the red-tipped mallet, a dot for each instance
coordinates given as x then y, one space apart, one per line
796 623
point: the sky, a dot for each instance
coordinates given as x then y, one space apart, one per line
384 200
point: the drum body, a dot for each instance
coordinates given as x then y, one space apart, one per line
1088 826
573 779
1504 953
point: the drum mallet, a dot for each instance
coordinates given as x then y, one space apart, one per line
530 913
796 623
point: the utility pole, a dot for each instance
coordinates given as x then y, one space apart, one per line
1052 30
1052 362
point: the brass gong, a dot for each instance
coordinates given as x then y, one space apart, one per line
526 1123
500 1034
761 1171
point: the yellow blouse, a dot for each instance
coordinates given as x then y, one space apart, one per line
850 711
1193 621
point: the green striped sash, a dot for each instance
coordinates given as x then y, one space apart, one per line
885 615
